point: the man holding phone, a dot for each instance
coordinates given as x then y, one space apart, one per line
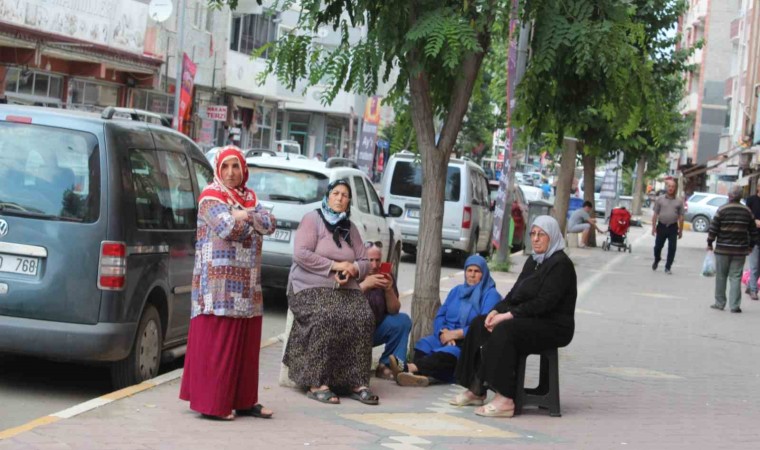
391 326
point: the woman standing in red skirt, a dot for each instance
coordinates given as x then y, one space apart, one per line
222 363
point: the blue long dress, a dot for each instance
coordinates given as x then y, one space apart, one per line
463 304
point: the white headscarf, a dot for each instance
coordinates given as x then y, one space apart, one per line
556 242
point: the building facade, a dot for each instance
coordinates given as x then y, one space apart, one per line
709 159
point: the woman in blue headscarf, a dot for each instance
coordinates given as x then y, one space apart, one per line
536 315
435 356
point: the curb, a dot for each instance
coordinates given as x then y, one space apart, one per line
111 397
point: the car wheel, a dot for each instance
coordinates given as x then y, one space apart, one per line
700 224
145 357
396 260
409 249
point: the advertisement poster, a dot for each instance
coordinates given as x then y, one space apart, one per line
366 154
186 94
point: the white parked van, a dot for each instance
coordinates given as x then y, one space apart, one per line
467 215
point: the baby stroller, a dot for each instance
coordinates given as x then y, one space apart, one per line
617 233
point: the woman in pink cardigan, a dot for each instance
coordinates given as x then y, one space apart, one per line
330 344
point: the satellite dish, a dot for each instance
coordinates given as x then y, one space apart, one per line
160 10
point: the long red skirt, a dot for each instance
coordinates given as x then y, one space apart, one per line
222 364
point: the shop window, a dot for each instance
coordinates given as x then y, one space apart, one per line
92 96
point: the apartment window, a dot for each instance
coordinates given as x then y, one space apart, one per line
32 83
727 123
157 102
209 20
253 31
198 17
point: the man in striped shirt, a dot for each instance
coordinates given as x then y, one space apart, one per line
734 232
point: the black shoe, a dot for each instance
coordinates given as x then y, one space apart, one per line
719 308
747 291
654 265
736 310
668 271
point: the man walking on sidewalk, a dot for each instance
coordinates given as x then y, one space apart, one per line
753 203
667 224
734 231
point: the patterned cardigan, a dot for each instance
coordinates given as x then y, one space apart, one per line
227 272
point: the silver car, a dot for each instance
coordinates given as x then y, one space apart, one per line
700 209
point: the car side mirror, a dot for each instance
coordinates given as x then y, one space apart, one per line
394 211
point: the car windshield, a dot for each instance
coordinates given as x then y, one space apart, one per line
407 181
49 173
280 184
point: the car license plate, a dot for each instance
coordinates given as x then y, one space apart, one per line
19 264
413 213
278 235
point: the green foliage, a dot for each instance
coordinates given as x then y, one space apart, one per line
494 266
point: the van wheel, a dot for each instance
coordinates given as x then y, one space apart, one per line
395 261
145 357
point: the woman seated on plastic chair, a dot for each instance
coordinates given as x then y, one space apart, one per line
436 355
536 315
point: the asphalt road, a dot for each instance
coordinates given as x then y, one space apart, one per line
31 388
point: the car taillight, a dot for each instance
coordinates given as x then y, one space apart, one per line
112 270
466 217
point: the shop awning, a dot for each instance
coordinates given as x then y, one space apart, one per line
242 102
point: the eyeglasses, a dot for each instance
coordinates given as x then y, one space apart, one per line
369 244
537 234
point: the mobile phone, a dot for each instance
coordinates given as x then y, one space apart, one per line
341 276
386 268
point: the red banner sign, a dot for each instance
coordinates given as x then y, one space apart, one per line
186 94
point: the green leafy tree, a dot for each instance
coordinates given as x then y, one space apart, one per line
436 49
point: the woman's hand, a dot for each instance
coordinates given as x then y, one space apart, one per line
340 281
489 319
448 337
496 319
348 268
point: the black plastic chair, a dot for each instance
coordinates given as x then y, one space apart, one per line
546 394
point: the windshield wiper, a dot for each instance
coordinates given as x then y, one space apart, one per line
291 198
20 211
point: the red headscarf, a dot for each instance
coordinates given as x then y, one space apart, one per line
240 195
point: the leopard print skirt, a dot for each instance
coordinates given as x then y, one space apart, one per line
331 339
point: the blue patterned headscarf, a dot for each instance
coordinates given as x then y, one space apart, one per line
473 295
337 223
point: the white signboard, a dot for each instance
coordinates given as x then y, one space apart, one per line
213 112
118 24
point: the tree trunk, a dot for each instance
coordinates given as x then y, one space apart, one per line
565 182
638 186
589 187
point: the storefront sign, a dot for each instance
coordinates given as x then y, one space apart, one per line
206 136
213 112
117 24
186 93
366 154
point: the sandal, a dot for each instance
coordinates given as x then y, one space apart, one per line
256 411
384 372
228 418
411 380
396 365
365 396
490 410
463 400
323 396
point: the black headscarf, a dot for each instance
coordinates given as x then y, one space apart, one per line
337 223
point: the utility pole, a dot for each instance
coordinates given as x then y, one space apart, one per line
180 60
522 62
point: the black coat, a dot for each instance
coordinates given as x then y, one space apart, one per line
546 291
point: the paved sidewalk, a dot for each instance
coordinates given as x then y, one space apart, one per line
651 367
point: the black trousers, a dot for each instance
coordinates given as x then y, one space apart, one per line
439 365
669 233
489 360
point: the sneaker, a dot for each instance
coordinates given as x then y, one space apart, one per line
747 291
668 271
753 295
719 308
654 265
736 310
